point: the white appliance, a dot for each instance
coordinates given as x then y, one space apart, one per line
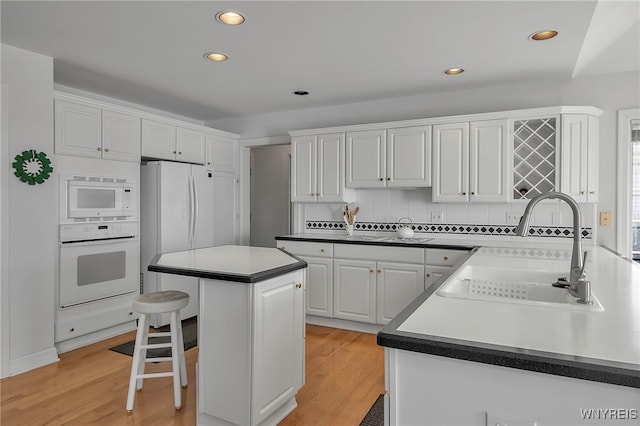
98 261
176 207
95 198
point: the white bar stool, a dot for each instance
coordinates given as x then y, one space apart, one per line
169 301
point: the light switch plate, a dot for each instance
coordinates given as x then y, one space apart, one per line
605 218
437 217
495 419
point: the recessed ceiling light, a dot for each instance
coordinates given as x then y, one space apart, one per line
217 57
301 92
543 35
453 71
230 18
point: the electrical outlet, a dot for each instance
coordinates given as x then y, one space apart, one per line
437 217
605 218
494 419
513 218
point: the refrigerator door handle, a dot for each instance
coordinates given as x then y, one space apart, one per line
196 208
191 208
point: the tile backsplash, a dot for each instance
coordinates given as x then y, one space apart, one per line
380 210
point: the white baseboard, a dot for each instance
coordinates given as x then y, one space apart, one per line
344 324
33 361
94 337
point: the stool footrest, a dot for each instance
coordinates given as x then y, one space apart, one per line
156 346
154 375
159 359
159 334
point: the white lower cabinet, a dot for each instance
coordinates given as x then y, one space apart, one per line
367 283
397 285
319 294
354 296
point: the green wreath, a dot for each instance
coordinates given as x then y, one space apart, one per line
32 167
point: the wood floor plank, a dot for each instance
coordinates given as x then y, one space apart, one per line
88 386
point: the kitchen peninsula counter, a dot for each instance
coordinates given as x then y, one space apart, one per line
250 331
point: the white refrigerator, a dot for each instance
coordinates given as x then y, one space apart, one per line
176 213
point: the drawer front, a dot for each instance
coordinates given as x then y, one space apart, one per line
306 248
379 253
88 323
443 257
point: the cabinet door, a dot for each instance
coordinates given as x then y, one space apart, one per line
221 153
354 293
488 168
409 157
579 169
330 167
303 168
433 274
397 285
319 297
190 145
277 340
225 208
451 162
77 129
158 140
120 136
366 159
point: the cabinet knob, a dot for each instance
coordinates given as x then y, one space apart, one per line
379 270
592 192
463 193
381 179
371 270
428 275
106 150
388 178
179 152
130 313
299 285
72 329
321 250
473 193
446 258
582 192
208 163
174 152
99 149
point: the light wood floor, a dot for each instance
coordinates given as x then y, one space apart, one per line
344 376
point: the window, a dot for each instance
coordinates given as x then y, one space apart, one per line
635 188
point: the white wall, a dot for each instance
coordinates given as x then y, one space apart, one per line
608 92
29 232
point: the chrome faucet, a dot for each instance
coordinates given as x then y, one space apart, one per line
577 284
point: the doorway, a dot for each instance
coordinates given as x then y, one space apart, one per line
270 194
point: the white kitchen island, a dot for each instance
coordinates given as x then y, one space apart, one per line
250 331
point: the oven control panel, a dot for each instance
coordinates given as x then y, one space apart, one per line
97 231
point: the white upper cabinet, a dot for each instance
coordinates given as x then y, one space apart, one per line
190 145
221 153
158 140
88 131
366 159
169 142
398 157
579 157
317 169
120 136
470 161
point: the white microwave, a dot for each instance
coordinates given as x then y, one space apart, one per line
100 198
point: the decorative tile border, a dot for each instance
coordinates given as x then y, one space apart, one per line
459 229
530 253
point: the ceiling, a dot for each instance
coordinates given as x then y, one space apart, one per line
152 52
